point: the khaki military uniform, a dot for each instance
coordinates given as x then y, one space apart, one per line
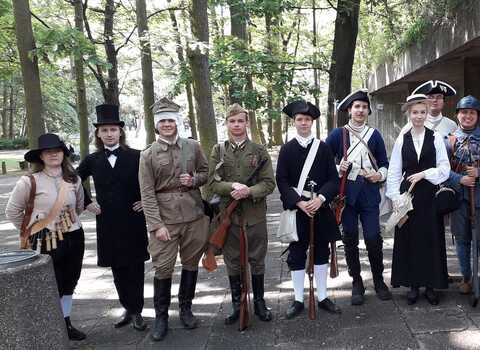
166 203
238 164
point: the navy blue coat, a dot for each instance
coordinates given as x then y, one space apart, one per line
353 188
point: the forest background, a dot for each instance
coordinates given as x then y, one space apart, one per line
61 58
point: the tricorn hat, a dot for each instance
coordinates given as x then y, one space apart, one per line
435 87
108 115
468 102
359 95
414 99
301 107
45 141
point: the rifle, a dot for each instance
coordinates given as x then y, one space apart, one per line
476 292
338 202
333 260
217 239
244 294
311 257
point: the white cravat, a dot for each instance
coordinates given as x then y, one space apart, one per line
304 141
113 158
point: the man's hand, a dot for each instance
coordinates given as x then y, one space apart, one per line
472 171
344 165
303 207
94 208
373 177
240 191
137 206
468 181
186 180
162 234
416 177
313 205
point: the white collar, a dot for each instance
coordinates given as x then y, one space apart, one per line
304 141
433 119
113 148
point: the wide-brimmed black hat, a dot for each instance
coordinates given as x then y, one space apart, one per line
469 102
359 95
435 87
301 107
45 141
108 115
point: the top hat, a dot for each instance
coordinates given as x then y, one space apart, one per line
359 95
45 141
301 107
108 115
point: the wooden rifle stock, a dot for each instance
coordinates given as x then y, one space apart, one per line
244 294
333 260
311 257
217 239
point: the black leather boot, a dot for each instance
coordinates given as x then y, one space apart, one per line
235 288
353 262
261 310
375 256
186 293
161 302
73 333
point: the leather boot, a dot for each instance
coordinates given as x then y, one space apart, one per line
161 302
375 256
73 333
350 244
186 293
261 310
235 288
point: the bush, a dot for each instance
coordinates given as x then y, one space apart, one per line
20 143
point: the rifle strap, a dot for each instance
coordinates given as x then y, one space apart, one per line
344 176
360 138
24 231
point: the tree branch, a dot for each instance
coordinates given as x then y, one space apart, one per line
39 19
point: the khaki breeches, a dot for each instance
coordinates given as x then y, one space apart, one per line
189 239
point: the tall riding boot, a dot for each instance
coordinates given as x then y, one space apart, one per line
186 293
375 256
235 288
261 310
161 302
350 243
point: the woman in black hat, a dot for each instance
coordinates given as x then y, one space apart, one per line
60 232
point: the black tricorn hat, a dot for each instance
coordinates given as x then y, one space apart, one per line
45 141
359 95
301 107
108 115
435 87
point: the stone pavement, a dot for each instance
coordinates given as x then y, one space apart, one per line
376 325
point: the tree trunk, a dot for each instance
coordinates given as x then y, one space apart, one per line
252 116
4 110
183 65
111 92
30 73
343 54
263 141
315 70
82 107
13 108
238 25
277 125
268 27
147 71
198 57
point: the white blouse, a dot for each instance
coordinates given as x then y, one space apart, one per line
435 175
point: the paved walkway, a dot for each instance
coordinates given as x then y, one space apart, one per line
376 325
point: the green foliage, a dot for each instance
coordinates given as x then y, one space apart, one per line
19 143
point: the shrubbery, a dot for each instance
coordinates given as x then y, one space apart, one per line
19 143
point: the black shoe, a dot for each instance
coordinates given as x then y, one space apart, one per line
383 293
138 322
261 310
124 320
412 295
358 292
186 293
294 310
329 306
235 288
161 301
431 296
73 333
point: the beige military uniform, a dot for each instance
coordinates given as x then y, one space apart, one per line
166 203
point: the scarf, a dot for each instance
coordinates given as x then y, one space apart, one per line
357 129
304 141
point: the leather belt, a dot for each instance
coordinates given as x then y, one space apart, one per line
181 189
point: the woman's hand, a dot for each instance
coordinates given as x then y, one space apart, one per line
137 206
467 181
472 171
94 208
413 179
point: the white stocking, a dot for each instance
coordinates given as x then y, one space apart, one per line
298 279
320 272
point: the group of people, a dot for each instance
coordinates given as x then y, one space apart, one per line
149 203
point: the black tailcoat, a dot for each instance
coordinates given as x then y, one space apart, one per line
121 232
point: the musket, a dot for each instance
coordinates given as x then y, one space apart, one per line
244 294
217 239
333 260
471 195
311 257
